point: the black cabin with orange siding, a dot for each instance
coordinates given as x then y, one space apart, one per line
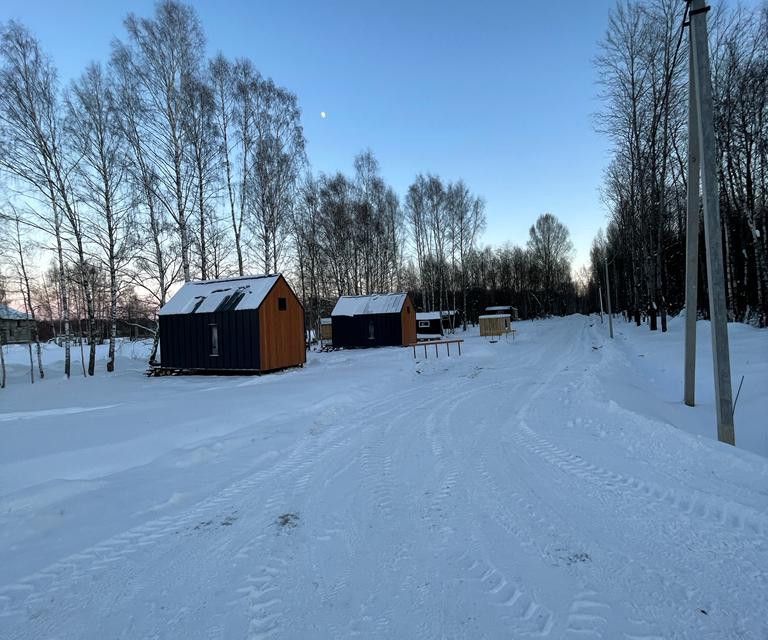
250 324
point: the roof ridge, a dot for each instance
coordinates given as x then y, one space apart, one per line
372 295
235 278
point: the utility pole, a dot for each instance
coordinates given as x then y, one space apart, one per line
702 85
608 295
600 294
691 235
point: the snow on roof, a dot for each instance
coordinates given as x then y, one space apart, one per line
325 321
495 315
501 308
428 315
6 313
369 305
229 294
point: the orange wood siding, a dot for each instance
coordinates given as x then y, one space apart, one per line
408 316
281 333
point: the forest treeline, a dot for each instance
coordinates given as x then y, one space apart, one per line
643 70
159 165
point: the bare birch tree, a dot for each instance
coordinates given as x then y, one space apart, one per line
31 143
161 55
95 134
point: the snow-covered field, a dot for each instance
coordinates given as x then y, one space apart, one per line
535 488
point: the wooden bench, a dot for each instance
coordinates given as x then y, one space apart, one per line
447 343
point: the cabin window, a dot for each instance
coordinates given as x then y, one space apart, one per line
423 324
371 333
282 304
214 340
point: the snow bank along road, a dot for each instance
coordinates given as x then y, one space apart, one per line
503 493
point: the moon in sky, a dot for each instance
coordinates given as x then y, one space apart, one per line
323 115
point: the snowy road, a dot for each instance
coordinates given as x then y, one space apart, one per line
505 493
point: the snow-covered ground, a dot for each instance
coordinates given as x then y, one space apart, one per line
535 488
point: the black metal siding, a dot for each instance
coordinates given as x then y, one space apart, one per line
353 331
435 326
185 340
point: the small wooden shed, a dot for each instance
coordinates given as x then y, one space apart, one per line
16 327
496 324
326 329
380 320
251 324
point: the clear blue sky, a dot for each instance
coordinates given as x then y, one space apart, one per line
500 93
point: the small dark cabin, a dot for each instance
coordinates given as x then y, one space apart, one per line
502 310
429 323
16 327
251 324
382 320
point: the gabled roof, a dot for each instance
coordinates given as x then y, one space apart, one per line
500 308
376 304
6 313
229 294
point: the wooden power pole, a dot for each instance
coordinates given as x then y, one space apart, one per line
692 236
608 296
701 83
600 294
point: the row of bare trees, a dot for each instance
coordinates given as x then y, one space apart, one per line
445 221
119 176
158 166
535 278
643 66
347 234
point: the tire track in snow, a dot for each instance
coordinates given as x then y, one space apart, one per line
738 556
589 613
509 599
264 603
448 470
734 518
606 485
33 591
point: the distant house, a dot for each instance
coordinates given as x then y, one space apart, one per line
502 310
16 327
250 324
429 324
380 320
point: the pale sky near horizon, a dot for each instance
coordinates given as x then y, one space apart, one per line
499 93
